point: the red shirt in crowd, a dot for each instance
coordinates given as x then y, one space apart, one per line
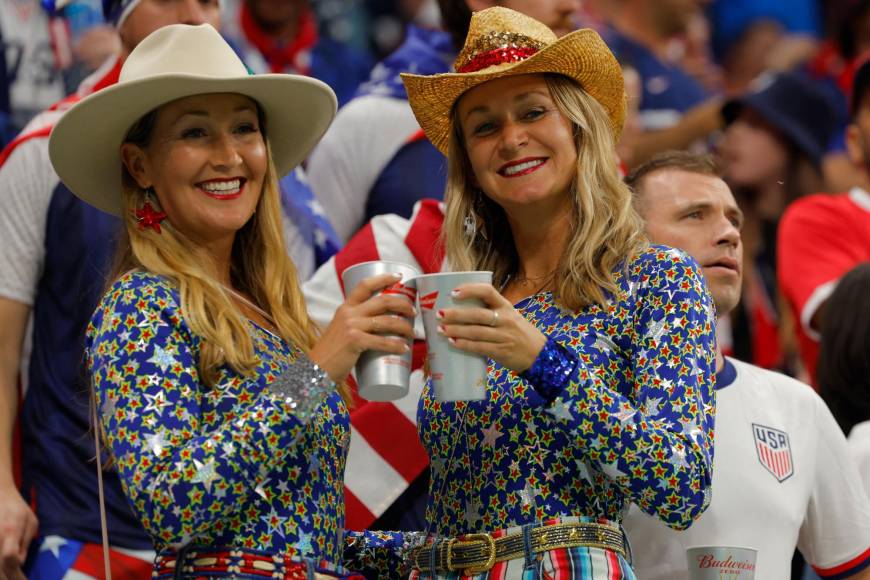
821 237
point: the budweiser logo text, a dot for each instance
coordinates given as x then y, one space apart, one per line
709 561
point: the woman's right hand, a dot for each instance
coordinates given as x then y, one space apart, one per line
359 325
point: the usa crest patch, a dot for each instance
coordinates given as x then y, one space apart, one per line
774 451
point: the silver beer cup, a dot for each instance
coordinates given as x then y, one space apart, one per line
383 376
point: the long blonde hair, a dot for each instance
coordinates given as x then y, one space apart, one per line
260 267
605 229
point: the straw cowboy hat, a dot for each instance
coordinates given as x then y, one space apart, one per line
502 42
173 62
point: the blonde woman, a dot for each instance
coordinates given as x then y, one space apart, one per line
215 396
600 389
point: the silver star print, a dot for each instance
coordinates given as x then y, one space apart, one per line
205 473
155 442
491 435
625 415
528 493
604 343
161 358
274 522
314 466
304 543
656 330
611 470
156 402
472 514
678 458
561 410
690 428
651 406
583 470
108 408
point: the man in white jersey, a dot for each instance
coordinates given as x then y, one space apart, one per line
782 474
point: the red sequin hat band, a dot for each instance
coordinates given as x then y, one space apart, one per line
495 48
496 57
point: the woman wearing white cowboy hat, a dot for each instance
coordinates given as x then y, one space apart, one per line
215 395
600 388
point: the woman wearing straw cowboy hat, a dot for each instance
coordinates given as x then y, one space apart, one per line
215 396
600 385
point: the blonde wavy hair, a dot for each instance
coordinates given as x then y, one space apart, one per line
605 229
260 268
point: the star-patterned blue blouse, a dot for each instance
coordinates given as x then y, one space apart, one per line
618 408
228 466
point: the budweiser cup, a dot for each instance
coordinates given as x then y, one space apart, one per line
456 375
721 563
383 376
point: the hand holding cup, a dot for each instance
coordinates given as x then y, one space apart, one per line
495 330
382 375
361 323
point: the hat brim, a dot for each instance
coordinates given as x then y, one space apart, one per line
781 122
85 144
580 55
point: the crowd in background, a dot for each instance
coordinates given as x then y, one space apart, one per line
682 60
765 85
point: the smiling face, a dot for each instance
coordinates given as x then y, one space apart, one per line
520 146
206 161
697 214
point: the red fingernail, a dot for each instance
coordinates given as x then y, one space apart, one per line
439 315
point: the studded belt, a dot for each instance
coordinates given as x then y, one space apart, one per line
477 553
210 562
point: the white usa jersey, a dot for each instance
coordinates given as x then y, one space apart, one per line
782 478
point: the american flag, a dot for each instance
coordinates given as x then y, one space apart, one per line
385 452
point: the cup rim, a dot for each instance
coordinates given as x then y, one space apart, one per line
369 262
443 274
711 546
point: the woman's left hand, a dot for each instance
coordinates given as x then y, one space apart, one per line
497 331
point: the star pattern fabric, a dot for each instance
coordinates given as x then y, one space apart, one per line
600 419
228 465
618 408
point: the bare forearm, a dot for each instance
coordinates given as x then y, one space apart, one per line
696 124
13 320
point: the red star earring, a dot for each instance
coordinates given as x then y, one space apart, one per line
147 216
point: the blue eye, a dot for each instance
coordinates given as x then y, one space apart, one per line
532 114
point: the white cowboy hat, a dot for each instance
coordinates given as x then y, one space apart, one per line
171 63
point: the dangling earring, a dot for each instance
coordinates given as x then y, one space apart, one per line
472 220
147 216
470 224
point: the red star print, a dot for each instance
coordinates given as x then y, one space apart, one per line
149 218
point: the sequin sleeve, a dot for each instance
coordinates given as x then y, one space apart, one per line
380 555
656 444
181 480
